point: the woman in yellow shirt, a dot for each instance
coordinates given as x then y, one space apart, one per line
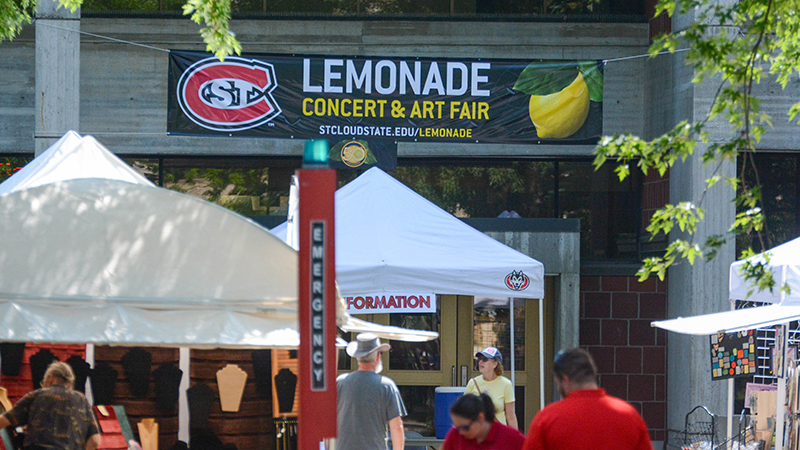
492 382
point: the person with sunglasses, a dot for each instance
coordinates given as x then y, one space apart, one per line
586 417
491 381
475 426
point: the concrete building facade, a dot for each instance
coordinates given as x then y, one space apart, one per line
107 77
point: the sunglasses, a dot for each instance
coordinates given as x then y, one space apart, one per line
482 358
464 427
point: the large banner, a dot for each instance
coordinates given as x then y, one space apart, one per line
359 100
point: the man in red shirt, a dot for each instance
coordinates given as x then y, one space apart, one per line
587 417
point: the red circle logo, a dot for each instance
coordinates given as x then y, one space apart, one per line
230 95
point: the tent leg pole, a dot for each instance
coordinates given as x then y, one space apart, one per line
511 344
184 361
730 409
90 360
781 346
541 354
780 413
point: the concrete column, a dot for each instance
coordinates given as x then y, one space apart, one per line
698 289
58 64
703 287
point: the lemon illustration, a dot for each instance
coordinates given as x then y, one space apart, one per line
560 114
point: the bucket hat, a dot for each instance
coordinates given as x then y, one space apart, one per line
365 344
491 353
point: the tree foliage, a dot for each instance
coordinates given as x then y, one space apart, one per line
213 15
736 45
10 165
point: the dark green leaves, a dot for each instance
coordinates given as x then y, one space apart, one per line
545 78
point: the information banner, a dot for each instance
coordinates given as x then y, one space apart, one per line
391 303
352 100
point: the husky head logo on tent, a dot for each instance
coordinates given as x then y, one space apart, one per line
517 281
233 95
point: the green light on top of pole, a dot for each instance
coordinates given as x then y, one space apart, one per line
315 153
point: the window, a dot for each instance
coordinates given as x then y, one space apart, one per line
254 187
609 210
585 10
479 188
10 164
780 192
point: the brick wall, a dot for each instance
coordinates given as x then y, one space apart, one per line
631 355
655 194
139 408
22 383
658 25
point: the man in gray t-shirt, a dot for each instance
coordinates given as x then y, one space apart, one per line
367 401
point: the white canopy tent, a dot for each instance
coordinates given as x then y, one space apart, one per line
390 239
92 252
783 261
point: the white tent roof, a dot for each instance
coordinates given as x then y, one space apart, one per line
784 263
72 157
391 239
104 257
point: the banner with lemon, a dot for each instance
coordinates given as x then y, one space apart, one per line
561 95
365 105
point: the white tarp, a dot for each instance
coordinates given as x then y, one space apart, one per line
103 258
355 325
391 239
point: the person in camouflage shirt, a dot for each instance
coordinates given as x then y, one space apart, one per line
57 417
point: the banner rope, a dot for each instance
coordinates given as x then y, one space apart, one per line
624 58
103 37
122 41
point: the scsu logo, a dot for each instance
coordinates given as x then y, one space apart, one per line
230 95
517 281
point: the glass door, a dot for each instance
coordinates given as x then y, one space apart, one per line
467 325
